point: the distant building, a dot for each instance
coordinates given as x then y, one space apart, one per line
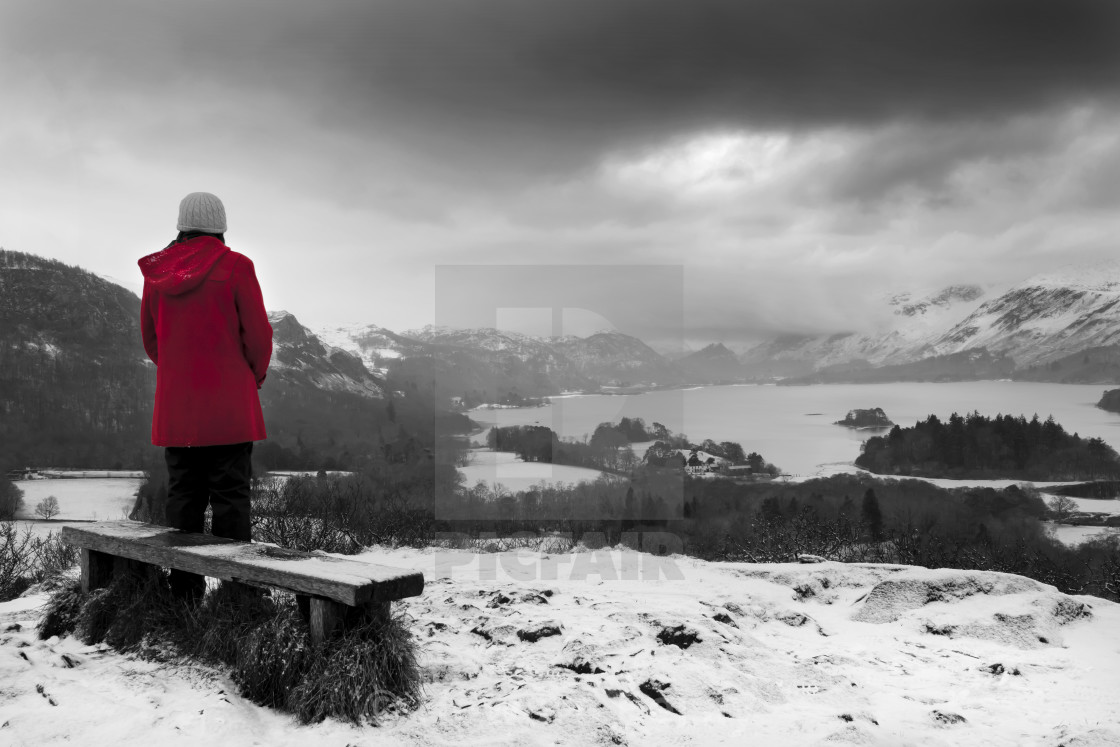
698 462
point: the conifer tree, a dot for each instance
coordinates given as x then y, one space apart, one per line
872 516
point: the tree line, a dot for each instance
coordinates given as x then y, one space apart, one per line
976 446
538 443
850 518
609 447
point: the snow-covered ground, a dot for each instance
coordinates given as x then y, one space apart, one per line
286 473
848 468
505 469
619 647
1075 535
45 474
1095 505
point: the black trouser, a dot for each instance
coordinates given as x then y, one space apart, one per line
214 475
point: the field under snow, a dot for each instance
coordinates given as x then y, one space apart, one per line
619 647
80 500
1075 535
503 469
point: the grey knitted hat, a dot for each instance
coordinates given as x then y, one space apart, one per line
202 211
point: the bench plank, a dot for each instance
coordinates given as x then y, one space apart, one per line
350 582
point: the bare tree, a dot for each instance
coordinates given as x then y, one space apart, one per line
1061 507
48 507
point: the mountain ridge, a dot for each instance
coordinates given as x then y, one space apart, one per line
959 331
1062 325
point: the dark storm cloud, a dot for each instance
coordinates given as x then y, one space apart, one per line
552 84
779 149
921 160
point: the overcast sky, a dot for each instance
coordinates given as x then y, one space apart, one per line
796 157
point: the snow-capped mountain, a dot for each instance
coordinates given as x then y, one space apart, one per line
299 355
913 321
375 345
957 332
522 347
1043 318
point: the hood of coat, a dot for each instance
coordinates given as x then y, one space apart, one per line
182 266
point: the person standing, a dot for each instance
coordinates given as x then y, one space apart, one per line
205 327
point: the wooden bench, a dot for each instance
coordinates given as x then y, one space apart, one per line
336 590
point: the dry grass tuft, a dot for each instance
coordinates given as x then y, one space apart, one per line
273 659
361 676
63 610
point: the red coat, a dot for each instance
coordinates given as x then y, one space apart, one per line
206 329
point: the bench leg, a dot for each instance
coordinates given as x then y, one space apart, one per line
329 617
97 570
380 611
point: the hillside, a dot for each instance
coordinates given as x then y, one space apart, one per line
483 365
77 388
1095 365
491 365
712 364
623 648
617 359
968 365
322 407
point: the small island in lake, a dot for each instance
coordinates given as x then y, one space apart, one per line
871 418
1110 400
1003 447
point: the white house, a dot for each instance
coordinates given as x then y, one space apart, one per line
697 462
